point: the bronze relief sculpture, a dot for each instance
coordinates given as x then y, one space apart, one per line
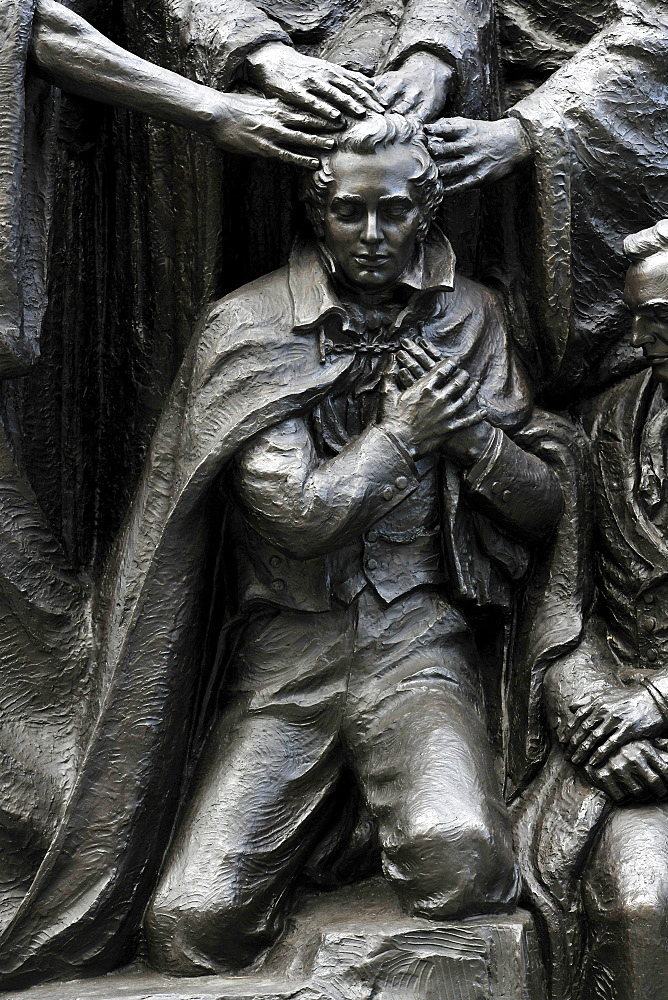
328 562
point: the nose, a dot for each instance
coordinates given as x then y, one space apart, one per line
639 333
371 232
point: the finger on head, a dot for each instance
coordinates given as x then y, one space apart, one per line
367 98
341 100
448 128
287 156
289 137
305 122
448 150
365 83
313 102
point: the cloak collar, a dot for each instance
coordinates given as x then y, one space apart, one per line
311 271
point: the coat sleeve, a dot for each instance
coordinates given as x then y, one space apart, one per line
515 489
307 507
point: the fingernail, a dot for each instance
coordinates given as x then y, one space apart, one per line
335 114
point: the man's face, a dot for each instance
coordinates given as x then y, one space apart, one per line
646 296
372 217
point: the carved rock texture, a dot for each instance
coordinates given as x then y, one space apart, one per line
355 944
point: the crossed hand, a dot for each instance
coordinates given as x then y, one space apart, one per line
432 404
612 736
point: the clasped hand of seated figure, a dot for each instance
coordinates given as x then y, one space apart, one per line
612 736
431 404
639 771
471 152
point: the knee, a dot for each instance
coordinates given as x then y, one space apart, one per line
626 884
630 906
450 870
191 937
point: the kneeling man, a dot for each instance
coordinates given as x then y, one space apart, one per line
380 489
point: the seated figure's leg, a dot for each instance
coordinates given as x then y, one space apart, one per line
625 895
256 810
423 755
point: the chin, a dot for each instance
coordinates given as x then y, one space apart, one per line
370 280
660 371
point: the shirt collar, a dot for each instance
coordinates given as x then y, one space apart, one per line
310 274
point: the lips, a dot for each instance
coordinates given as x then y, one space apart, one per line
371 260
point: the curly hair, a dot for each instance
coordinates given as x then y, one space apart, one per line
374 132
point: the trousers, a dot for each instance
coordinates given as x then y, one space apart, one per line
390 691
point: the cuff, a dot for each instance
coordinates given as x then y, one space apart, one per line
394 473
483 469
655 689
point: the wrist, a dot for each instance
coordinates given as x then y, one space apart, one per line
522 140
400 431
422 57
476 441
264 56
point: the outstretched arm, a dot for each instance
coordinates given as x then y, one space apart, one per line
70 53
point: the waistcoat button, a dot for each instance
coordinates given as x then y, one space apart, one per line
371 564
652 655
388 493
402 483
649 624
505 496
275 561
648 598
278 585
372 536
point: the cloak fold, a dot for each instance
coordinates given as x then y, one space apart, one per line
25 192
599 129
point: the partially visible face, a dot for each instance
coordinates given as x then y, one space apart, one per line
646 295
372 217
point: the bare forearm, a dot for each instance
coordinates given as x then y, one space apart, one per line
70 53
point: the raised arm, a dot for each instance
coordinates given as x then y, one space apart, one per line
441 49
69 52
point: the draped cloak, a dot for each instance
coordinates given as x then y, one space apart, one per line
25 192
246 369
587 79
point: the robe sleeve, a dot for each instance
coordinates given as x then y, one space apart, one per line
599 131
215 36
25 191
459 34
